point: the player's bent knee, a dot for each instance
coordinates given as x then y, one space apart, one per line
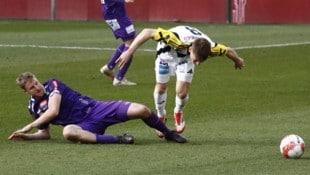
146 112
70 132
182 95
140 110
161 88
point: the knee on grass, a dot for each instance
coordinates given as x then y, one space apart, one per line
70 133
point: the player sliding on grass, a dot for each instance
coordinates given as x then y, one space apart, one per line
178 51
84 119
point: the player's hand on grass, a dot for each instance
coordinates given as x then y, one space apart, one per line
20 134
16 136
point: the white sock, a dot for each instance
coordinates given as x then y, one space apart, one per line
180 103
160 103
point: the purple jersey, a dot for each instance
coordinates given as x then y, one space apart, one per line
73 108
113 9
91 115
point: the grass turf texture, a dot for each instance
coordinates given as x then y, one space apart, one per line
234 119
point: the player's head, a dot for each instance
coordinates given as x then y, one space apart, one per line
30 84
199 50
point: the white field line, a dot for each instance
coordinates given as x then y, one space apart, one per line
145 50
272 45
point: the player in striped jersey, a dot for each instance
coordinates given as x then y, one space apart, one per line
178 50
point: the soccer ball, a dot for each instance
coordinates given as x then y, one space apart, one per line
292 146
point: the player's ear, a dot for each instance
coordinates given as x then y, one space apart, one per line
190 48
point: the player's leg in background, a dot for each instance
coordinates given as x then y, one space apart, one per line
107 69
120 75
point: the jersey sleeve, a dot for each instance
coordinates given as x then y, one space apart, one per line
218 50
54 86
170 39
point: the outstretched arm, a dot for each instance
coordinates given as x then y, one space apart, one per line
50 114
232 54
142 37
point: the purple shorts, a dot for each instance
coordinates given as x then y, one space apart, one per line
105 114
122 28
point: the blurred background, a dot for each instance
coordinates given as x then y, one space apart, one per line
211 11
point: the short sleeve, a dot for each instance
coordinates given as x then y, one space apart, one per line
170 39
218 50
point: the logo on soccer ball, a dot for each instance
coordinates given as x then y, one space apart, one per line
292 146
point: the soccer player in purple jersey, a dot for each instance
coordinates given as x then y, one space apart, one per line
114 13
84 119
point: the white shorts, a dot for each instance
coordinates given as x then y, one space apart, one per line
183 68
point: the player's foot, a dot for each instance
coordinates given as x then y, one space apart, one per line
108 72
174 136
123 82
158 133
126 139
179 122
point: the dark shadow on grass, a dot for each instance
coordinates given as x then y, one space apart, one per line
304 158
216 141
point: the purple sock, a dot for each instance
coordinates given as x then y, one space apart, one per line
154 122
106 138
121 72
115 56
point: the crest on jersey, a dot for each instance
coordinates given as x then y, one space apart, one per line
43 106
187 39
43 103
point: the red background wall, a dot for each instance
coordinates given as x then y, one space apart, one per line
278 11
259 11
25 9
171 10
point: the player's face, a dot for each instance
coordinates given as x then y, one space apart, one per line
34 88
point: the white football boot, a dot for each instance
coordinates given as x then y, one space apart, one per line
123 82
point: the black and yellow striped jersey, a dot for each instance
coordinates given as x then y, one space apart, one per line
180 38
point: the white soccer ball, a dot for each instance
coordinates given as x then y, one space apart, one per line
292 146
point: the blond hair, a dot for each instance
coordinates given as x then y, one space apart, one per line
23 78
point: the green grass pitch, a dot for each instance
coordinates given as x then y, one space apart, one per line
234 119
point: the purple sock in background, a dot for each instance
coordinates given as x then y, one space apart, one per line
121 72
115 56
